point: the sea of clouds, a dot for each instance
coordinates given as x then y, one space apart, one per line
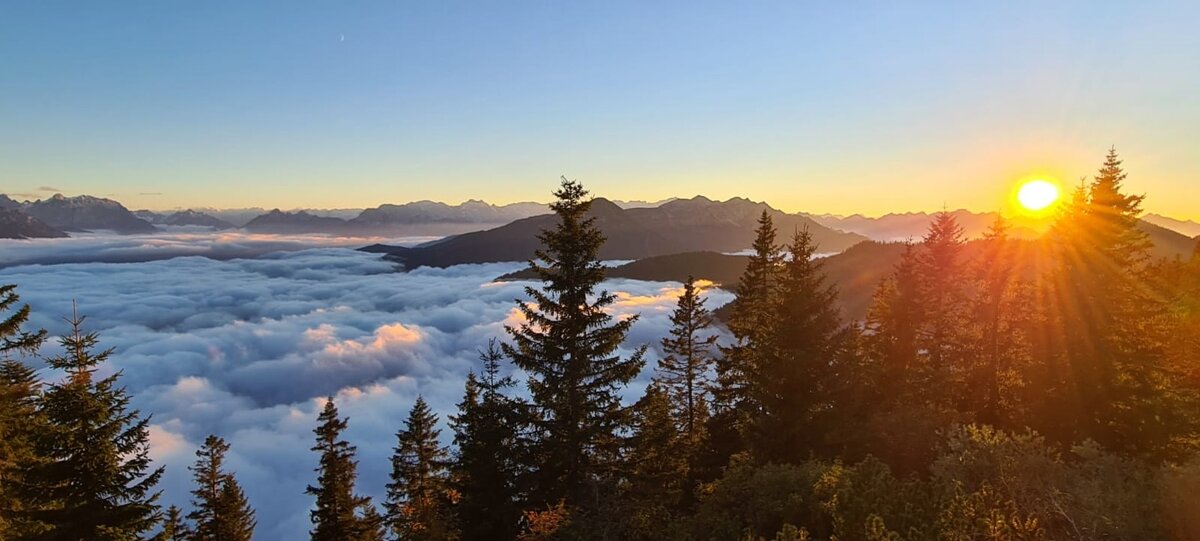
244 335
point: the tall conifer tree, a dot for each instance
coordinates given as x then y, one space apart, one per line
340 514
1129 400
20 419
418 495
568 347
173 528
794 380
485 469
220 510
752 327
942 277
97 468
659 487
684 370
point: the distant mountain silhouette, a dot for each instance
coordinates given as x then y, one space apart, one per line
86 213
184 218
1167 243
278 221
15 224
856 271
682 225
913 225
423 212
7 202
1186 227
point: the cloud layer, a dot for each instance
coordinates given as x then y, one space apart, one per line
171 242
248 348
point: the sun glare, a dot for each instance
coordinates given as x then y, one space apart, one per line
1037 195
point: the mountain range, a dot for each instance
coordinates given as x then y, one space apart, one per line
188 218
427 218
1187 227
15 224
682 225
56 215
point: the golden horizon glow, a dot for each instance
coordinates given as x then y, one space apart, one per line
1037 195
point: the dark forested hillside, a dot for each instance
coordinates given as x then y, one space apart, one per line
682 225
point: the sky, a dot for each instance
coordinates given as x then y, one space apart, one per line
846 107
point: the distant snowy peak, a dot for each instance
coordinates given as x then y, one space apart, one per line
86 213
15 224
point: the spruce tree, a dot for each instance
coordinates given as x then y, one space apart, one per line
418 494
14 339
339 514
942 278
658 487
173 528
97 472
683 372
485 469
1002 309
1111 336
20 419
220 510
902 420
20 424
892 324
793 381
752 327
567 345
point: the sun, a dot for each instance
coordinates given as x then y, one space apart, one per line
1037 195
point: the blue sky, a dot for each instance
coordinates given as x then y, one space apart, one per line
857 107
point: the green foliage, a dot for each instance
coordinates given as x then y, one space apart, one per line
20 419
418 495
752 324
95 480
793 380
658 485
485 469
173 528
567 346
220 510
757 500
1109 323
683 371
339 514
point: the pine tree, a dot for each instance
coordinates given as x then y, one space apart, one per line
221 512
683 371
174 528
485 470
794 381
98 471
418 495
339 514
752 327
567 346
